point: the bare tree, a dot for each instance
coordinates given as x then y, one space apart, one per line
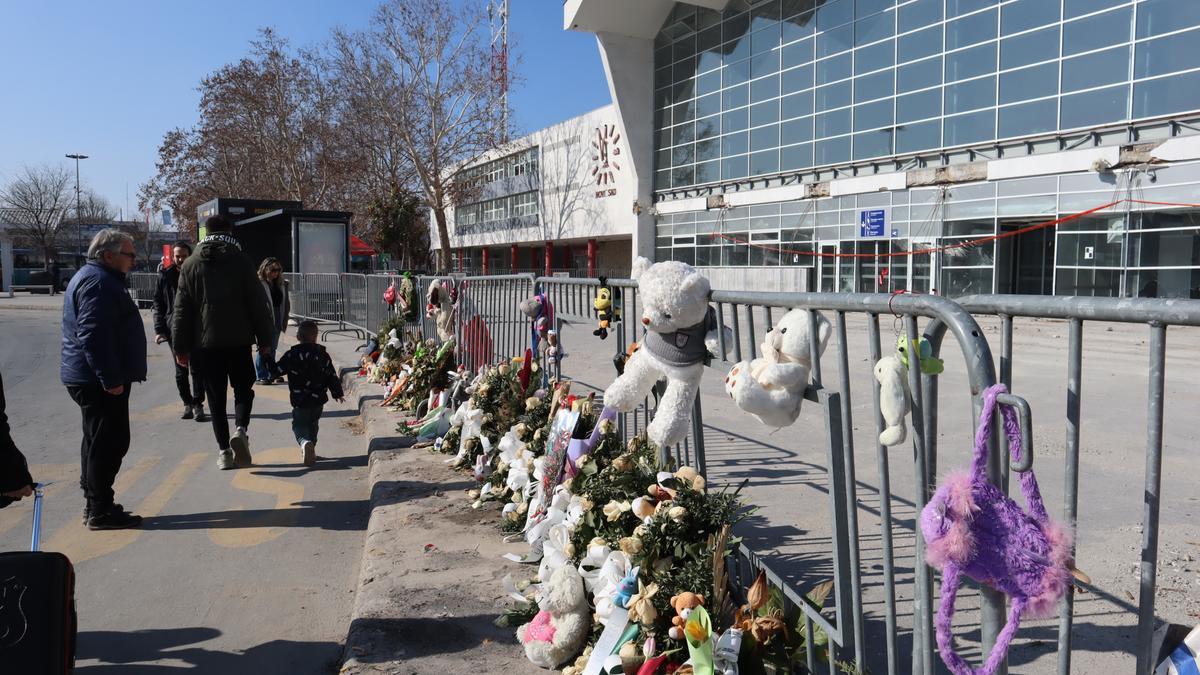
94 209
570 203
38 198
420 67
398 224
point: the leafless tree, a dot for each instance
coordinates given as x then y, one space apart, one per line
569 202
422 67
38 198
94 209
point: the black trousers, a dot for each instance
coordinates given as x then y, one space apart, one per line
190 394
105 441
219 369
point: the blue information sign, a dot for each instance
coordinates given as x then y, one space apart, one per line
872 223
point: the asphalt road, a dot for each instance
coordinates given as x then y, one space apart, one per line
244 571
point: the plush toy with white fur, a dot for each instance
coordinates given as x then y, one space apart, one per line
681 327
771 387
560 628
439 306
895 398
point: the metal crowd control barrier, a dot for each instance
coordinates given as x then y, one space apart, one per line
143 285
1157 315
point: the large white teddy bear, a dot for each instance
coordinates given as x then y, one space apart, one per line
681 329
560 628
771 387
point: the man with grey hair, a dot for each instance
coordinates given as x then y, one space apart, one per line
103 354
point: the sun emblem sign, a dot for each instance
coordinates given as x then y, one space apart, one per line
605 151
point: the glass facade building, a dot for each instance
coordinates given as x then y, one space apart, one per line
782 90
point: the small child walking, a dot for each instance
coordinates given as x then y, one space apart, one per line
310 374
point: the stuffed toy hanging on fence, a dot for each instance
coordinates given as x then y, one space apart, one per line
606 309
408 297
972 528
771 387
680 332
895 399
440 306
541 313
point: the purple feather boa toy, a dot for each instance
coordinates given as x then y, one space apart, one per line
972 528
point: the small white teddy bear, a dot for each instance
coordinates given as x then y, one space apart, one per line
681 328
771 387
560 628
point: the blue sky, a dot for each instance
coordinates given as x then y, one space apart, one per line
109 78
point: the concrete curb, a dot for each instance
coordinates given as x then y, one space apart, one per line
430 578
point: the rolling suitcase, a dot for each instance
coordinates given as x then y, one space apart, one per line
37 608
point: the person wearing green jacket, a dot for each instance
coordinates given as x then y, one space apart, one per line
220 311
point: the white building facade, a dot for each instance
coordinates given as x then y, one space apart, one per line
559 200
950 146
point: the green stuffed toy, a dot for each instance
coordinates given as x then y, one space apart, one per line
929 365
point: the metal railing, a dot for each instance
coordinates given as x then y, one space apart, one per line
867 599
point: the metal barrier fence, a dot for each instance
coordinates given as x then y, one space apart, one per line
489 326
142 285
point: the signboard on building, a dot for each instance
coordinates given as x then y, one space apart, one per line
872 223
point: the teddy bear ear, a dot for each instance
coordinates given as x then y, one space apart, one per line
640 265
691 281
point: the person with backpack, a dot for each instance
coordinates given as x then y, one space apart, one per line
164 305
220 311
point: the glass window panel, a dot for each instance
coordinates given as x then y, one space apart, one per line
971 62
662 77
684 133
834 13
1110 28
1094 107
831 151
708 40
919 106
735 167
965 281
1023 15
873 144
919 75
873 115
708 83
735 72
764 113
965 96
684 112
708 172
764 40
683 154
1027 83
797 131
664 138
662 158
684 47
1165 55
662 118
1094 70
970 30
765 88
832 124
797 105
970 128
836 68
764 162
682 176
1173 94
683 69
764 137
765 14
833 96
868 7
1156 17
1074 8
1035 47
873 87
662 179
918 14
708 127
796 79
874 28
798 53
876 56
735 120
708 105
764 64
1028 118
735 144
662 56
710 149
735 97
708 61
836 40
920 44
958 7
735 27
797 25
683 91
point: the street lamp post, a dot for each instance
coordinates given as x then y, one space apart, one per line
78 212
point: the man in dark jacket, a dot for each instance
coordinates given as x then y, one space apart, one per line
220 310
164 304
103 354
15 481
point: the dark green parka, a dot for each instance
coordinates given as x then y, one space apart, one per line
220 302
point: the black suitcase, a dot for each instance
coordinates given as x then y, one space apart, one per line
37 608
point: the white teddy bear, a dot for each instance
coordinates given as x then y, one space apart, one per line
560 628
771 387
681 329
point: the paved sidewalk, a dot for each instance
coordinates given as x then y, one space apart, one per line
31 301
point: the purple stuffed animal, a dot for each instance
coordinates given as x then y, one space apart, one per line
972 528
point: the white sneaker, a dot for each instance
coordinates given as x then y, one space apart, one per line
308 451
240 443
225 460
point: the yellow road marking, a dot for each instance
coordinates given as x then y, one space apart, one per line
288 496
278 392
61 477
79 544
